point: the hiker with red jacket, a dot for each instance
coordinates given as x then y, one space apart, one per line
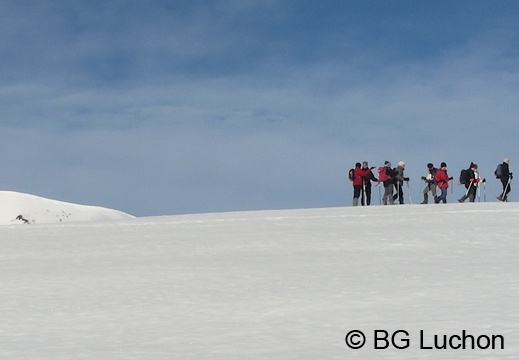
386 175
358 181
366 187
442 180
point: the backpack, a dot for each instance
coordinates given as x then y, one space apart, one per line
464 176
351 174
498 173
382 175
431 177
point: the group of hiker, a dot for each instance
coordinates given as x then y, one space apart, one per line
436 179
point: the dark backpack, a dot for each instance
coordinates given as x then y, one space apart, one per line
351 174
464 176
498 173
382 175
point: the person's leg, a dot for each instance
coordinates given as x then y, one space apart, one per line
466 196
444 195
433 190
472 193
356 194
368 195
426 194
388 194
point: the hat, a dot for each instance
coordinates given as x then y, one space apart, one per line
506 160
472 165
430 165
357 164
443 164
401 163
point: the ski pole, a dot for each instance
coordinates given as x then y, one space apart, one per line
506 188
409 192
468 189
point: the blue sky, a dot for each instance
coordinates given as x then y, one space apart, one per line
169 107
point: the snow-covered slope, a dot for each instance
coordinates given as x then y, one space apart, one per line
264 285
25 208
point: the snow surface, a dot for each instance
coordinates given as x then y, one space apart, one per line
262 285
35 209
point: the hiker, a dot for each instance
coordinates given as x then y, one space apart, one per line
386 175
399 182
505 177
442 179
366 185
470 178
430 183
358 175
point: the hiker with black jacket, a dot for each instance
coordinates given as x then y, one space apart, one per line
366 193
506 177
471 182
399 182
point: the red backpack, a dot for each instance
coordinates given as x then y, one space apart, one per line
382 176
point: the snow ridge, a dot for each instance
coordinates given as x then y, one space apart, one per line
20 208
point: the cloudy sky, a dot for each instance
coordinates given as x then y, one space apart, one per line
168 107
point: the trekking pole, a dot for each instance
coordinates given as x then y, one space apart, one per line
506 188
409 192
468 189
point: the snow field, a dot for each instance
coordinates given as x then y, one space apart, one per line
262 285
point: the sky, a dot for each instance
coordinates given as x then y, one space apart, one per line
175 107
